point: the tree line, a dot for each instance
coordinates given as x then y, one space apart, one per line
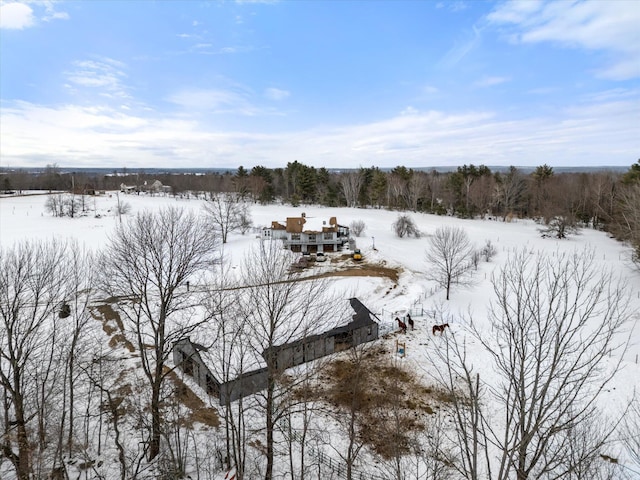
604 200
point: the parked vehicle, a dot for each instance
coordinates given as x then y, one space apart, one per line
320 257
357 255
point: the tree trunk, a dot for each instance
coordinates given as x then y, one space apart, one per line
23 460
270 426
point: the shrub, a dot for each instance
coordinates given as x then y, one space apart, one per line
405 226
357 227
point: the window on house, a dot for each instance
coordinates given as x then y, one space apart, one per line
328 235
211 385
187 364
312 238
295 236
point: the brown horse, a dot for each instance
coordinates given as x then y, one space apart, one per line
402 325
439 328
410 321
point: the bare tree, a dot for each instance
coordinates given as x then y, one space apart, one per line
75 315
228 212
349 390
585 447
122 208
354 393
351 184
416 188
55 205
510 190
435 187
396 190
559 227
33 287
488 251
357 227
480 195
145 264
554 324
629 218
228 338
431 454
632 432
72 205
405 226
103 374
466 394
280 308
449 256
245 220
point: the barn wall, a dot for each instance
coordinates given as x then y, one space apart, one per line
366 333
246 384
185 351
363 329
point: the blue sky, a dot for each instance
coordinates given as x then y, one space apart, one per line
328 83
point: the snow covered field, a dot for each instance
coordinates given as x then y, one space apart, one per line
24 218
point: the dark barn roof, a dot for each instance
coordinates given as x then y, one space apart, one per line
361 318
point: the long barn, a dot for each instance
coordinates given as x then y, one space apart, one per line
361 329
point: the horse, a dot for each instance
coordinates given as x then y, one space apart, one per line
439 328
402 325
410 321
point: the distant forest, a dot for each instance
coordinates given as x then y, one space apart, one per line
604 199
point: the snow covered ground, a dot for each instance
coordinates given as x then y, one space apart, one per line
24 218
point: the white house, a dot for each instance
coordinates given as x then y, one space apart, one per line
308 234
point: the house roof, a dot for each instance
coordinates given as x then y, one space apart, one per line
237 361
277 226
361 318
309 224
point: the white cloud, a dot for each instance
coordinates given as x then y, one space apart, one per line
216 101
52 14
20 15
276 94
462 48
409 111
104 74
16 16
491 81
456 6
267 2
236 49
610 26
515 12
600 130
202 99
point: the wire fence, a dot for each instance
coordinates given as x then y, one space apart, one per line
338 467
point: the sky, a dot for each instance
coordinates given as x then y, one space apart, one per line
332 83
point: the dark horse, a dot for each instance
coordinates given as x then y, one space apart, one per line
410 321
439 328
402 325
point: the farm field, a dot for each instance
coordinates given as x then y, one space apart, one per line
392 280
